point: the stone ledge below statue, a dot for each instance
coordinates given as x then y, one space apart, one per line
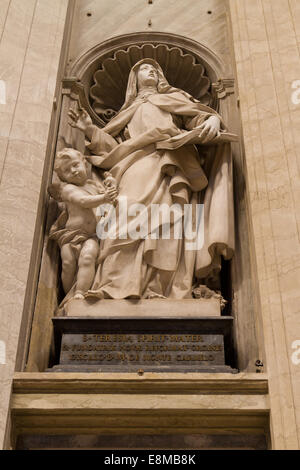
145 308
218 369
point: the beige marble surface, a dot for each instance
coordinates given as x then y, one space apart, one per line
30 43
150 382
154 308
187 18
138 402
266 48
128 403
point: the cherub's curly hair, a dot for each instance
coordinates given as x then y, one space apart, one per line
65 155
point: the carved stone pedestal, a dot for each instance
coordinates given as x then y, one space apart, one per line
146 335
154 308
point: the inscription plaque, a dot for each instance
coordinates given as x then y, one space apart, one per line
138 345
142 349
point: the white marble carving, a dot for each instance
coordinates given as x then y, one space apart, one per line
75 229
149 149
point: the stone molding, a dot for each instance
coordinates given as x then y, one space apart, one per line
223 87
241 384
122 404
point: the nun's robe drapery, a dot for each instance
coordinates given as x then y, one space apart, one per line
147 175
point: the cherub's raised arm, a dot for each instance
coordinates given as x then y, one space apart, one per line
76 196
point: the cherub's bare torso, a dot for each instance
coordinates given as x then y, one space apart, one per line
80 213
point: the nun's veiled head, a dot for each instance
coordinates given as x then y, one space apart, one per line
161 83
141 69
147 76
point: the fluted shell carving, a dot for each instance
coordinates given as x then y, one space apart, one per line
107 94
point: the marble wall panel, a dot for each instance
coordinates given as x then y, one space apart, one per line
31 35
266 48
189 18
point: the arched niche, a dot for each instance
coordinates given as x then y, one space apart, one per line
87 82
100 75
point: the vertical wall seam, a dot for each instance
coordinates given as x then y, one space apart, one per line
4 24
18 92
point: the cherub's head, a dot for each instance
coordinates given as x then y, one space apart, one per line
70 166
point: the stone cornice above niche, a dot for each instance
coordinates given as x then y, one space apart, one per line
99 77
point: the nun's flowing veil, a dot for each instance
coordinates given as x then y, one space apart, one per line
162 87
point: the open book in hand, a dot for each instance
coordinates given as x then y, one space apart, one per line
192 137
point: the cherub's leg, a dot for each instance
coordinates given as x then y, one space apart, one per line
86 267
68 267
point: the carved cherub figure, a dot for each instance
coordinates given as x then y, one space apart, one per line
75 229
